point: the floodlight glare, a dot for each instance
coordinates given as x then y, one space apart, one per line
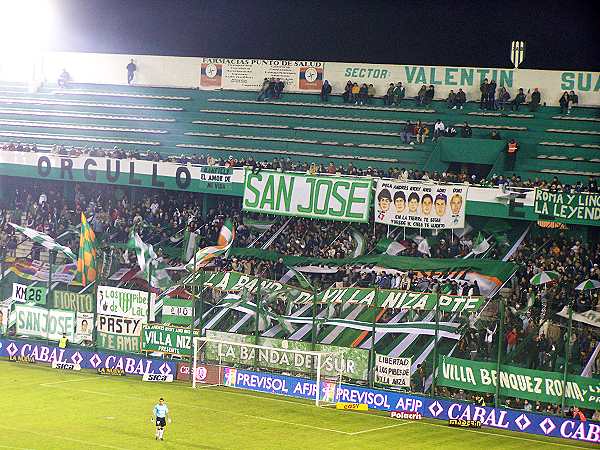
25 25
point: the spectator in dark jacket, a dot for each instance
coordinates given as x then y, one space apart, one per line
420 98
564 103
399 93
451 100
278 88
518 100
536 98
503 98
325 91
388 98
491 95
573 100
347 95
461 98
429 94
483 88
407 132
466 131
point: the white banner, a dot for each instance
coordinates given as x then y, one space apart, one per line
18 292
125 303
119 325
4 318
249 74
158 377
45 323
393 371
420 205
590 317
85 328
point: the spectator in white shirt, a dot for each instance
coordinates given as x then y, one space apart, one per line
438 129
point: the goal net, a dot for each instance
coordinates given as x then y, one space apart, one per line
216 361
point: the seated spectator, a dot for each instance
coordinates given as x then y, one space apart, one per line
429 94
399 94
438 130
347 95
518 100
451 100
495 135
262 94
363 94
503 98
419 99
573 100
388 98
422 132
372 92
64 79
450 132
461 99
407 132
278 88
466 131
564 103
355 93
325 91
536 98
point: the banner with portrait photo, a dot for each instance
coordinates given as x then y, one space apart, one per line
4 316
84 329
420 205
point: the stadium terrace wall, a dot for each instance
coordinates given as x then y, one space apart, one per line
300 76
513 420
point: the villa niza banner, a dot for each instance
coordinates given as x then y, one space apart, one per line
420 205
385 298
581 209
519 382
167 339
300 195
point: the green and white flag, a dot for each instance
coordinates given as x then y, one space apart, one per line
146 256
389 247
45 241
480 244
361 244
189 244
258 224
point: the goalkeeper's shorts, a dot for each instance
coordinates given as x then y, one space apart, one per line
161 421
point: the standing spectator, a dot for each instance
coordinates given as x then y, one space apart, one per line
429 94
363 94
347 95
564 103
388 98
466 131
483 88
518 100
372 93
451 100
355 93
536 98
131 68
419 99
573 100
278 88
503 98
325 91
262 94
407 132
491 95
63 79
511 340
399 93
511 154
461 99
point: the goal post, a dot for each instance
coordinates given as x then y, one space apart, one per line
212 359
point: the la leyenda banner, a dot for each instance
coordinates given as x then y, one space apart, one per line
133 365
513 420
301 195
519 382
420 205
578 208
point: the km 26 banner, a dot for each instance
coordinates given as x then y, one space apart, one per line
420 205
519 382
124 303
577 208
300 195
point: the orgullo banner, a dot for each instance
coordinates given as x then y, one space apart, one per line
392 371
352 362
577 208
420 205
167 339
518 382
73 301
124 303
45 323
299 195
248 74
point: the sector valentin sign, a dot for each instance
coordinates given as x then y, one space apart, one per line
301 195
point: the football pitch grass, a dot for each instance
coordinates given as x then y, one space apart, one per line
44 408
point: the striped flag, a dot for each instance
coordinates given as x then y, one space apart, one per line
44 240
206 254
189 244
145 256
86 263
480 244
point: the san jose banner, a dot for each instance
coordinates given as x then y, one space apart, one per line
352 362
124 303
45 323
167 339
301 195
420 205
576 208
518 382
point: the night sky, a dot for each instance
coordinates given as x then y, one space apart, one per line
559 34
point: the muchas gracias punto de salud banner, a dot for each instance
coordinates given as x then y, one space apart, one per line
420 205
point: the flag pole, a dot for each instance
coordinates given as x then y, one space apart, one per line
49 301
192 375
435 345
149 290
372 355
498 362
567 357
314 319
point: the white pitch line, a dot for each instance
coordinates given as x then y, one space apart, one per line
64 381
15 448
381 428
63 438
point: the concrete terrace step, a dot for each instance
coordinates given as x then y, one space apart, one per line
73 114
117 94
65 137
37 101
72 126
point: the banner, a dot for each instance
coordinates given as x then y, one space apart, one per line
4 318
125 303
118 342
85 329
386 298
205 373
177 311
352 362
45 323
119 325
504 419
576 208
248 74
29 294
167 339
73 301
590 317
420 205
518 382
132 365
299 195
392 371
38 271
